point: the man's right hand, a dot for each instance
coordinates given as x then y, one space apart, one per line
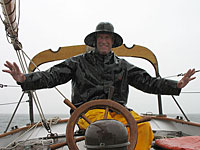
14 70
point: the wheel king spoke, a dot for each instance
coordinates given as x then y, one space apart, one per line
106 112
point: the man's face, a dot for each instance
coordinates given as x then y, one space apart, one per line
104 43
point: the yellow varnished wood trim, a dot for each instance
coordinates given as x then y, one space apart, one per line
61 54
70 51
139 52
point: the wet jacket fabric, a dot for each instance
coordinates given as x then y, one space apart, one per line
93 74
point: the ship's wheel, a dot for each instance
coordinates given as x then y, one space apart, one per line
107 105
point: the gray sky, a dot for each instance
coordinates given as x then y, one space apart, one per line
170 28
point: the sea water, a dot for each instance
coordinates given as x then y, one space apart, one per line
21 120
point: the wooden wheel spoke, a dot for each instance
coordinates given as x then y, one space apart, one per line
86 119
80 139
59 145
107 104
106 112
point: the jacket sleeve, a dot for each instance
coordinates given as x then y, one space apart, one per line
56 75
141 80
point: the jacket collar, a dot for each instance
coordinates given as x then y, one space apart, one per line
104 58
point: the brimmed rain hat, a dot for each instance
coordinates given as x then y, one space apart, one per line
103 27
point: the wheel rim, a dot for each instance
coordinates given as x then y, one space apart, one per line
107 104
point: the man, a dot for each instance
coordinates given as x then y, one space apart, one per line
94 73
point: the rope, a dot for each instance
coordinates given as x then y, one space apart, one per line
5 27
6 13
11 28
14 141
51 121
1 19
18 15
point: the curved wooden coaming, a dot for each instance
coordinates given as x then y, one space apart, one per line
70 51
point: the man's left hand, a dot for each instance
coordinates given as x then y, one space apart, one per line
186 78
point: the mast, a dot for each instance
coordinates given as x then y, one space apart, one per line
11 27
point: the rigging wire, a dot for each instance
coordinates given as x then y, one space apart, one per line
35 97
14 112
38 105
180 74
12 103
4 85
1 19
31 61
190 92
